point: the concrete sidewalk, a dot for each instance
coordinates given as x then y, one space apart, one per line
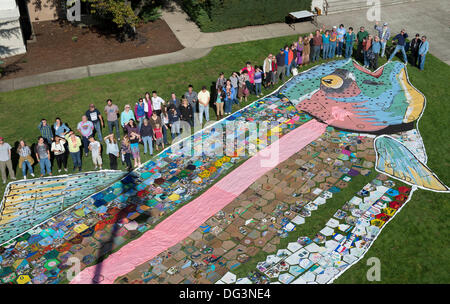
425 17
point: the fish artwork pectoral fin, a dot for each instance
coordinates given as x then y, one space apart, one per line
397 161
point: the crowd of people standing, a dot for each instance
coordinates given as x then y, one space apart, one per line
150 121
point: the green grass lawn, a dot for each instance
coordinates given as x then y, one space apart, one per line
414 246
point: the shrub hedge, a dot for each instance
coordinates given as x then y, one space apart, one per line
219 15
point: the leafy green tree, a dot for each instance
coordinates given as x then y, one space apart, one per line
125 12
118 11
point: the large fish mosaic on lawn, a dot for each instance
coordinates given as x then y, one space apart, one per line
341 95
347 96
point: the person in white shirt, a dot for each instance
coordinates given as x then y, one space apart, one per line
340 45
5 160
157 102
96 150
267 70
59 151
203 104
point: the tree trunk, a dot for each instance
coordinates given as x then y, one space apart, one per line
133 28
139 7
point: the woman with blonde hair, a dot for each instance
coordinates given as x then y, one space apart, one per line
306 50
126 115
186 112
300 48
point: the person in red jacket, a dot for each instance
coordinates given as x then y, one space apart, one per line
251 75
366 45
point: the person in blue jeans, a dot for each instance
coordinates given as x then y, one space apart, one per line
74 144
326 44
234 80
423 50
227 97
366 46
384 33
94 116
258 81
333 43
349 39
112 111
224 99
286 61
340 45
375 49
43 156
46 131
139 111
317 45
146 132
401 42
174 122
25 159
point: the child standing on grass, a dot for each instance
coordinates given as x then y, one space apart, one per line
258 81
125 149
158 136
96 149
243 90
135 138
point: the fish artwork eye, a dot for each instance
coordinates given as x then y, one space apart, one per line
332 81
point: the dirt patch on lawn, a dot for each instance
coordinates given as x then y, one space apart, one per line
61 45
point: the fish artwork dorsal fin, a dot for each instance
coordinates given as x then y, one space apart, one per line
413 96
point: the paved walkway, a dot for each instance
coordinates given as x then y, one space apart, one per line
190 35
426 17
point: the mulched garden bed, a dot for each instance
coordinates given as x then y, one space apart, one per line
60 45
